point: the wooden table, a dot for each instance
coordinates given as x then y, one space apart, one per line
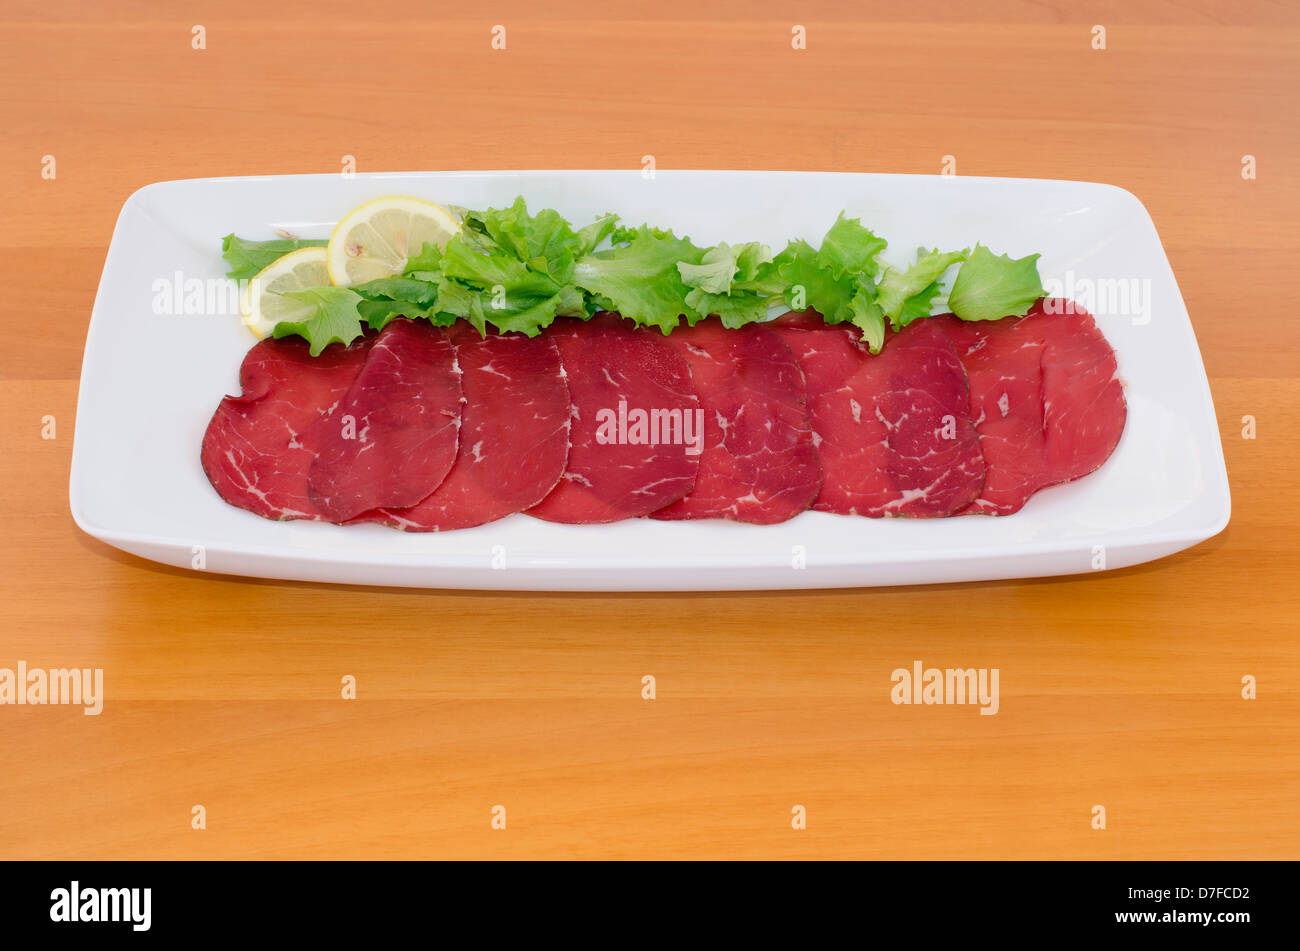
1121 689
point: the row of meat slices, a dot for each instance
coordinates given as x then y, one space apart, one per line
427 429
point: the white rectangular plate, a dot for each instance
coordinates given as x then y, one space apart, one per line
150 382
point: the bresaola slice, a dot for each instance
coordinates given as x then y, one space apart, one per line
1045 397
514 434
1084 410
618 468
758 462
253 452
1004 365
893 430
392 438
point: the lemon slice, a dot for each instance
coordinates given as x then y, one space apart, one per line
264 304
375 239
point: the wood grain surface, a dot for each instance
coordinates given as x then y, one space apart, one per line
1120 689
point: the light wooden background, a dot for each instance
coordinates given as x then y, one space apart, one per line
1120 689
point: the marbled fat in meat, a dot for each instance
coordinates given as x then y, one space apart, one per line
893 430
609 363
758 462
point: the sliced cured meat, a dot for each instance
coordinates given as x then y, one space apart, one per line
252 451
758 462
635 415
391 439
1045 397
1004 364
514 434
893 430
1084 410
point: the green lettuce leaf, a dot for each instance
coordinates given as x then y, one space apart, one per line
544 242
460 301
917 306
734 310
907 295
486 271
737 283
850 248
808 284
247 258
989 286
511 269
723 264
378 313
596 232
866 315
511 294
335 320
389 297
641 279
399 289
427 262
626 234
